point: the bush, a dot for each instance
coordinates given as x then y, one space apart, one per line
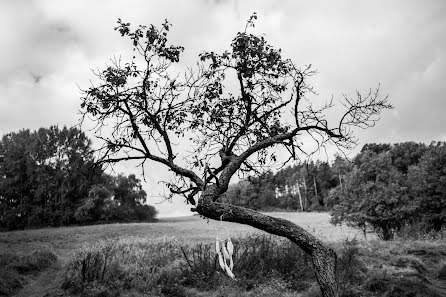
351 269
257 258
420 231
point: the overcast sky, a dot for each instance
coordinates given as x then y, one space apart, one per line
48 49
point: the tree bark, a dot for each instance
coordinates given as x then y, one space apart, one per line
306 194
323 258
300 197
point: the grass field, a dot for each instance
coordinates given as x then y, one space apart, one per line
64 241
192 229
398 268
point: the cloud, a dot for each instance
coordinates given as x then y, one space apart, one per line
48 49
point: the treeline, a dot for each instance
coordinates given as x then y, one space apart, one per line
385 188
302 187
48 178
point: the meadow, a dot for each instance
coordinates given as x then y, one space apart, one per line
175 256
192 229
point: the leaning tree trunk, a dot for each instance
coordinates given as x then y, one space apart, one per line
323 258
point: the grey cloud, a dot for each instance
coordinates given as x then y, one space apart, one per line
48 47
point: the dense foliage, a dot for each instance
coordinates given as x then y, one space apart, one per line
394 186
48 178
385 188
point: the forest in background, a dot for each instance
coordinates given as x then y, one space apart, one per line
48 177
385 188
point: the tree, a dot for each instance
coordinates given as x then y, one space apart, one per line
375 194
44 175
93 206
14 179
142 107
118 199
376 147
128 193
428 186
128 190
407 154
326 180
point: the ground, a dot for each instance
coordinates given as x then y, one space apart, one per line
385 262
64 240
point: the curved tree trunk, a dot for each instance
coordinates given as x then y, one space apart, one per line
323 258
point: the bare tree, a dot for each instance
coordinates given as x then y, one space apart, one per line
141 108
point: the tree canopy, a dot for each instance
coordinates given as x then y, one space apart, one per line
155 106
48 177
390 187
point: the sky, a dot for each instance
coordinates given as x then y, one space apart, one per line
48 50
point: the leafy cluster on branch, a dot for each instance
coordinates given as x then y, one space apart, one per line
48 177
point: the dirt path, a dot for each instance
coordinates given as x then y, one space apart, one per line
45 284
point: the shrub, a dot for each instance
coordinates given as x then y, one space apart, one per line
260 257
420 231
351 269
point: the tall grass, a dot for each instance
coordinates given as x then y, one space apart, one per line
124 264
263 266
169 267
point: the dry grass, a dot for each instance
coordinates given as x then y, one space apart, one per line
414 266
192 229
263 265
173 268
64 241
